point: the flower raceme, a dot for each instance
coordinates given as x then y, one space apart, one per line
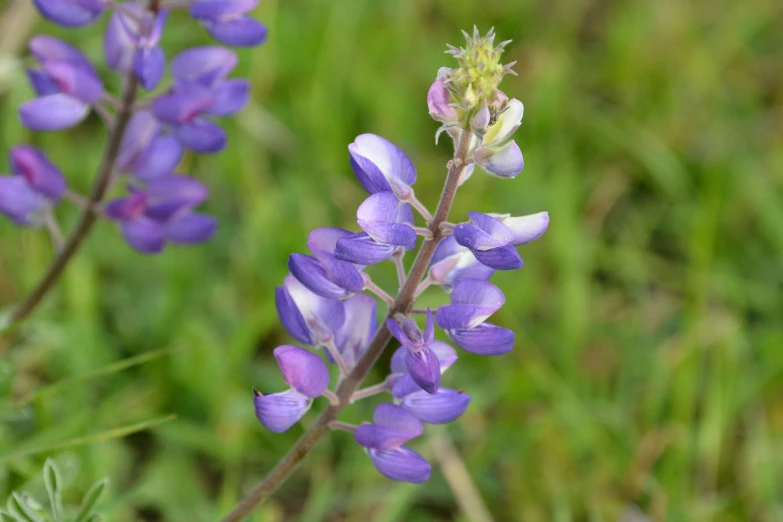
329 299
159 206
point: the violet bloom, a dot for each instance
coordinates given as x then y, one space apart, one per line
384 440
492 238
147 150
227 22
308 317
472 302
67 85
201 89
420 360
453 262
358 328
381 166
70 13
323 273
160 212
308 377
387 223
137 37
35 183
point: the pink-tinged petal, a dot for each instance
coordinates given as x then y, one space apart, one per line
362 249
190 228
526 228
381 166
18 201
52 113
424 369
144 235
277 412
308 271
323 316
127 208
504 162
401 464
507 123
391 416
149 64
302 370
202 136
473 301
159 158
440 408
485 339
503 258
75 81
230 97
184 104
48 48
242 31
40 173
68 13
291 317
204 65
481 119
439 102
42 83
359 327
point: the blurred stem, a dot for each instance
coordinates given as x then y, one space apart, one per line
377 290
88 216
336 355
403 304
399 266
54 229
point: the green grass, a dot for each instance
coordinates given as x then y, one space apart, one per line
649 359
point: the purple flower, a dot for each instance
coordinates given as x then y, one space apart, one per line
444 406
498 154
34 184
70 13
392 427
67 85
324 274
421 361
308 317
226 21
134 42
402 382
308 377
147 150
453 262
387 224
201 89
484 339
160 212
492 240
381 166
358 328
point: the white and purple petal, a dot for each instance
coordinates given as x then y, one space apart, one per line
505 161
507 123
358 328
472 302
323 316
381 166
311 274
52 113
482 233
525 229
362 249
291 318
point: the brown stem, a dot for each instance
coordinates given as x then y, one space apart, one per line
88 216
403 304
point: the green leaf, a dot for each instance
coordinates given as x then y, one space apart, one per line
6 517
19 508
91 499
53 487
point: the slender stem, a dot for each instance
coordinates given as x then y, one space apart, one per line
424 284
399 266
88 215
377 290
419 206
423 231
344 426
54 229
369 391
333 399
337 356
404 302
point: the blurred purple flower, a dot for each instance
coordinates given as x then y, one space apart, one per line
70 13
147 149
227 22
35 183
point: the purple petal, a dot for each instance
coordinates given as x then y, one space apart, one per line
424 368
485 339
503 258
240 32
279 411
381 215
48 48
190 228
322 315
453 262
68 13
380 437
118 45
359 326
291 317
142 129
149 64
390 416
74 81
230 96
439 103
527 228
39 173
398 360
159 158
405 385
401 464
381 166
392 234
52 113
446 355
127 208
302 370
484 232
203 65
473 301
170 194
362 249
345 274
18 201
505 161
325 239
144 235
311 274
219 9
42 83
440 408
184 104
202 136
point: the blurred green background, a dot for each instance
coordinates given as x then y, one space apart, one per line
647 377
